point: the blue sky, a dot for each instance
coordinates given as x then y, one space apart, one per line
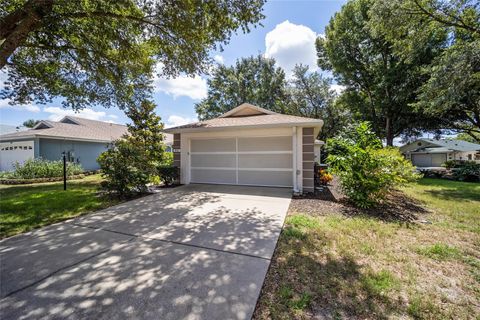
288 34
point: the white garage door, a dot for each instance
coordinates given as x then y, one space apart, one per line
421 160
260 161
11 152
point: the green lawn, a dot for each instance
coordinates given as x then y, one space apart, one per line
26 207
331 266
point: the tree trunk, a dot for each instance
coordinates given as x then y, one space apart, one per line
389 132
17 26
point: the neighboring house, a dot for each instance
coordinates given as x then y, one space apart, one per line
168 141
82 140
248 146
433 152
318 150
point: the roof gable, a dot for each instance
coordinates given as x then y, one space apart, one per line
69 120
43 125
246 110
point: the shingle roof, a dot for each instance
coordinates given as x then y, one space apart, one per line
73 128
456 145
262 117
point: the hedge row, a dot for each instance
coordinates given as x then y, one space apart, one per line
40 180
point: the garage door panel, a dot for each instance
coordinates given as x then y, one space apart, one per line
265 161
421 160
265 144
213 176
213 145
438 159
265 178
214 160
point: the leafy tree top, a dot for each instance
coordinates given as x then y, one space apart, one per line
254 80
104 52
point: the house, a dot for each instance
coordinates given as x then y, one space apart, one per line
248 145
317 148
81 139
433 152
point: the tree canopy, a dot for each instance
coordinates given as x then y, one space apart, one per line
380 84
452 91
105 52
255 80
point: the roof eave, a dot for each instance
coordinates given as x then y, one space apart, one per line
317 124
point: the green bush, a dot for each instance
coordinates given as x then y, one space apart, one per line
120 166
40 168
366 170
168 174
131 164
467 171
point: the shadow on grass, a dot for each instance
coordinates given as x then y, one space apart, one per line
452 190
337 286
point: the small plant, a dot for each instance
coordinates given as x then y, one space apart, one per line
324 177
366 170
41 168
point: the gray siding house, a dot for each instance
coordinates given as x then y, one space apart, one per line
426 153
81 139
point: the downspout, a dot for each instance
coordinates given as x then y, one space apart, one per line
294 154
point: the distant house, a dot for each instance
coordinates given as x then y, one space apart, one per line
81 139
433 152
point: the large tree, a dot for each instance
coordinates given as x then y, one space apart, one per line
104 52
380 84
311 96
255 80
452 91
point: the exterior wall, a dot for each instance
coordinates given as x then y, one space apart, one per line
85 153
308 159
317 152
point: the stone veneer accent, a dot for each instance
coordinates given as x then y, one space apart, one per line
176 150
308 159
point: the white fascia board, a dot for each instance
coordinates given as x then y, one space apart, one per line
317 124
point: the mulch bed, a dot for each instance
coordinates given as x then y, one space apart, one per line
396 207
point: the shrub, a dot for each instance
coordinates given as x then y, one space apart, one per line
168 159
467 171
120 168
40 168
366 170
168 174
132 161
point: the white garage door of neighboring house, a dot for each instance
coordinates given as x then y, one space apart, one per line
438 159
429 160
260 161
11 152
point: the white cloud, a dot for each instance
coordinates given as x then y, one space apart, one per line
57 113
20 107
113 116
291 44
219 59
175 120
337 88
193 87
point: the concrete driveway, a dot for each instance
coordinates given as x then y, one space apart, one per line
193 252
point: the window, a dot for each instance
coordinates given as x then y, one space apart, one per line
470 157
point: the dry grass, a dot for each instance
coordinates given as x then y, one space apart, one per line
411 258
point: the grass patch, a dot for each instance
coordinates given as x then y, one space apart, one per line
336 266
27 207
440 251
